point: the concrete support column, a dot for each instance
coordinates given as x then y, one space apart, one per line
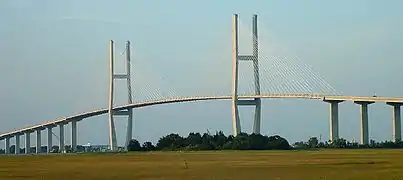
38 141
257 118
17 144
236 124
112 129
61 138
334 118
364 120
397 126
27 142
50 144
73 136
129 131
7 145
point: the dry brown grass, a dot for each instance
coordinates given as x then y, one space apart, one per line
248 165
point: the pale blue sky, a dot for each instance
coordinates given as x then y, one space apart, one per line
54 62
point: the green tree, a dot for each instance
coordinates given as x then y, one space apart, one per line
313 142
133 145
339 143
207 142
241 142
257 142
194 139
219 140
148 146
301 145
278 142
171 141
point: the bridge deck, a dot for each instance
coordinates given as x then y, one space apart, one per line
202 98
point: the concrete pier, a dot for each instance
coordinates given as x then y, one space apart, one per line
396 121
364 120
17 144
334 118
38 141
257 118
7 145
73 136
50 143
27 142
61 138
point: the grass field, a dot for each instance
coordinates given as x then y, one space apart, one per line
248 165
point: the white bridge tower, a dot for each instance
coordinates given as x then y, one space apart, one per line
111 113
254 58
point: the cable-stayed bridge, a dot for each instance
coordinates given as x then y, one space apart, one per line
264 76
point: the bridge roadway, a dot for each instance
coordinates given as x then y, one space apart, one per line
78 117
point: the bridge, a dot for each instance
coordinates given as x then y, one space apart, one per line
295 89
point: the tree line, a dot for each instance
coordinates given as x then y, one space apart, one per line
313 142
244 141
218 141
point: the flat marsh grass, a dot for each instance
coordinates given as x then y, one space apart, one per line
247 165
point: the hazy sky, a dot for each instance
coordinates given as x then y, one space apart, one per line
54 62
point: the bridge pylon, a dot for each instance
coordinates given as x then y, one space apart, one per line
236 58
129 112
